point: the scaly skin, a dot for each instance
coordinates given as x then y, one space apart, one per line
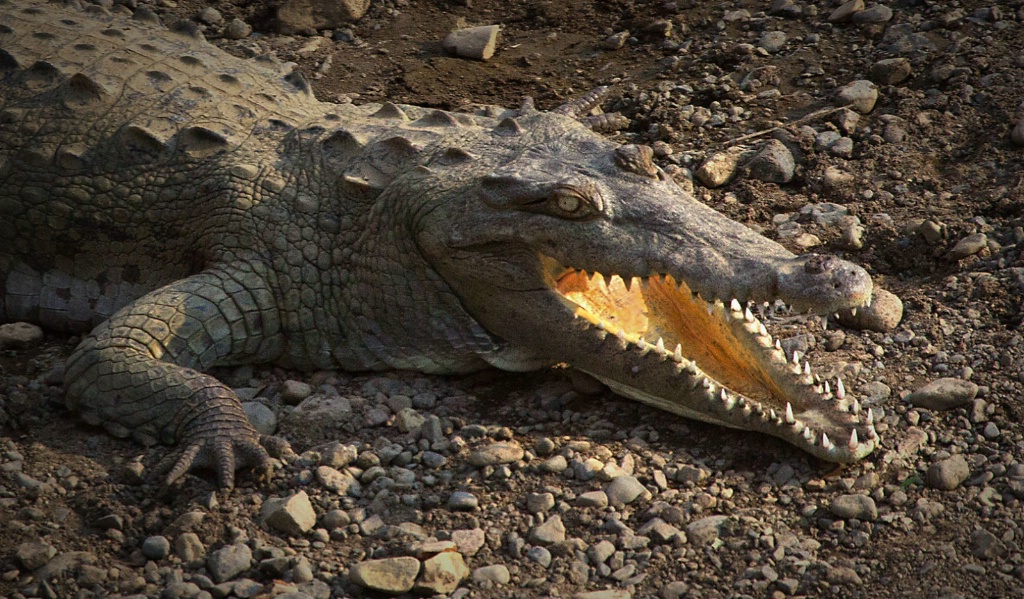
187 209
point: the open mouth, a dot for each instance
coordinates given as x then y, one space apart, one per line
713 361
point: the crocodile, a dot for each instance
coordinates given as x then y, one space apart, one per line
181 208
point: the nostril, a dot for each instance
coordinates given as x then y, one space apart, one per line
817 265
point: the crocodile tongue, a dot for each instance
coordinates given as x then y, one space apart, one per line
664 345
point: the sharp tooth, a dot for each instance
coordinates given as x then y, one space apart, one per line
691 368
735 306
642 344
789 413
704 382
807 368
771 412
796 357
761 329
856 407
728 401
778 344
840 389
824 323
853 439
853 311
660 346
748 315
808 434
724 395
622 337
600 325
871 418
825 441
678 354
872 433
827 389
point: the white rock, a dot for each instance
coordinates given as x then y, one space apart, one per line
477 43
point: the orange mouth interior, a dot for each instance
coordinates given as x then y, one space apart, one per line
719 341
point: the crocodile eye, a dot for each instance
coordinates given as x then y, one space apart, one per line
577 200
567 202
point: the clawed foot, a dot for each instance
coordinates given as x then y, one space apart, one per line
224 452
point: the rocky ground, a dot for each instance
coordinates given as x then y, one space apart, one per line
540 485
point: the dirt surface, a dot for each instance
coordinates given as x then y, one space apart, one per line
929 166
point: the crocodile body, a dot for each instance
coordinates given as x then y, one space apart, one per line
182 208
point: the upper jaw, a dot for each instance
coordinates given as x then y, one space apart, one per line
809 283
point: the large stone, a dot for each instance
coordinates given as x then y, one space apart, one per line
16 335
705 530
718 169
495 454
948 474
301 16
859 95
624 490
189 547
605 594
388 575
890 71
469 541
292 515
442 573
884 313
774 163
855 505
944 394
497 574
876 13
228 562
342 483
968 246
846 11
551 531
477 43
34 554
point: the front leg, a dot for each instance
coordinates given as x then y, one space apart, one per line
140 372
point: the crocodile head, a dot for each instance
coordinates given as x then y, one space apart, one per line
575 249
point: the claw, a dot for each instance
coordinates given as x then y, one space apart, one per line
225 452
183 463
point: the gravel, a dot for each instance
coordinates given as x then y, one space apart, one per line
503 468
